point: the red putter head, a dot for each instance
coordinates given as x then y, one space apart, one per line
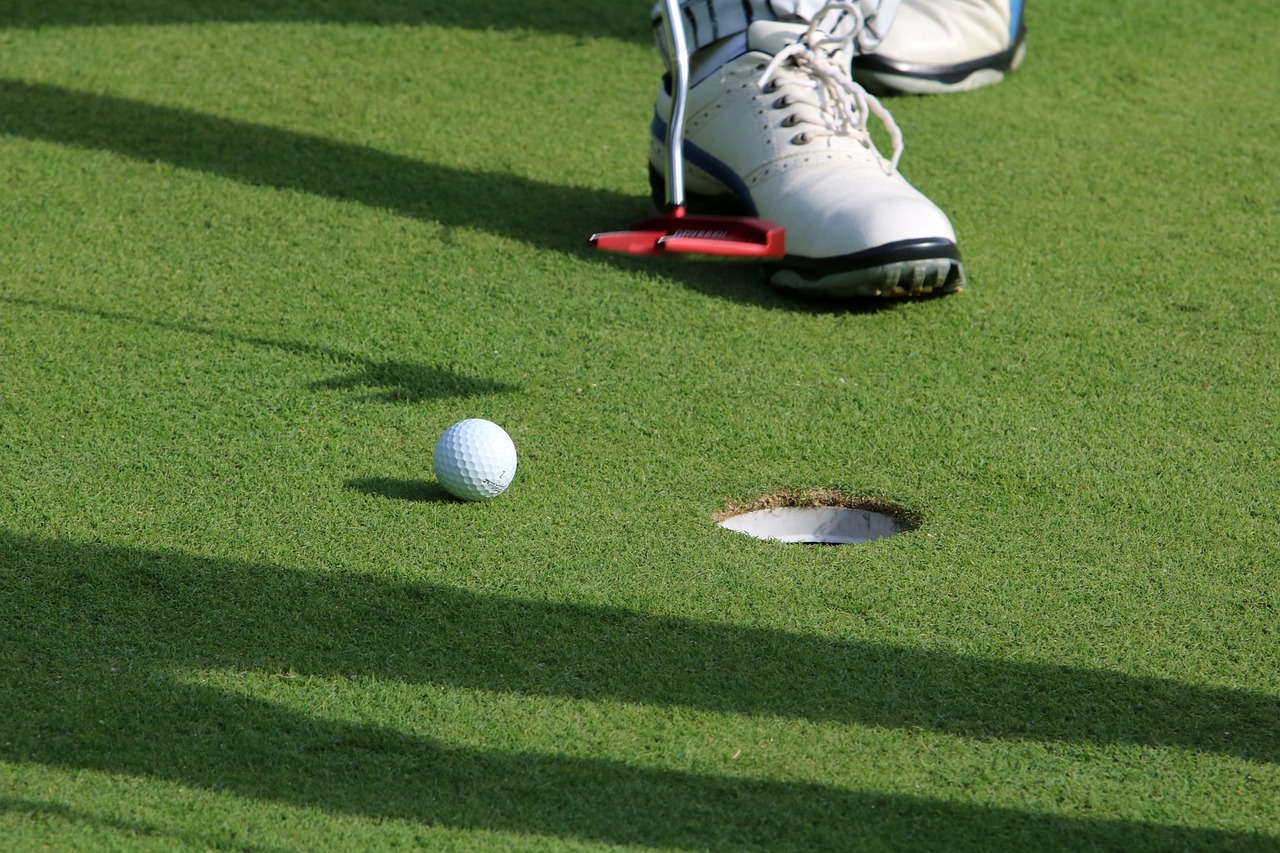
678 233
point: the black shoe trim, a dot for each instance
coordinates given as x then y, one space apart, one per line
814 269
945 74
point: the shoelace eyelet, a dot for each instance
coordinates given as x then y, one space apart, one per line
791 120
818 60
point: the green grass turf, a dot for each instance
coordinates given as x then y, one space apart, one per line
257 256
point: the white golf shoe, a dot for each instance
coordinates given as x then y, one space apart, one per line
780 132
938 46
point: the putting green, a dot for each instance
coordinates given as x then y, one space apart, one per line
258 256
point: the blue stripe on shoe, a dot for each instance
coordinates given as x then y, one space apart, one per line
713 167
1015 19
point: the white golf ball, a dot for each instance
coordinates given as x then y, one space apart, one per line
474 460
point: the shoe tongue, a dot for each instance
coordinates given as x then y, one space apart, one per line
771 36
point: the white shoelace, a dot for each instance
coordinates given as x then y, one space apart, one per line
845 106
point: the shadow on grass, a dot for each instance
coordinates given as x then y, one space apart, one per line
416 491
96 641
387 381
540 214
583 18
543 214
47 812
405 382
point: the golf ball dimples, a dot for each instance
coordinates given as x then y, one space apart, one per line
475 460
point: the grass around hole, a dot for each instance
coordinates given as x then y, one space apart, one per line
907 519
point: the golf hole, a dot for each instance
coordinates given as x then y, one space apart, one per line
817 517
